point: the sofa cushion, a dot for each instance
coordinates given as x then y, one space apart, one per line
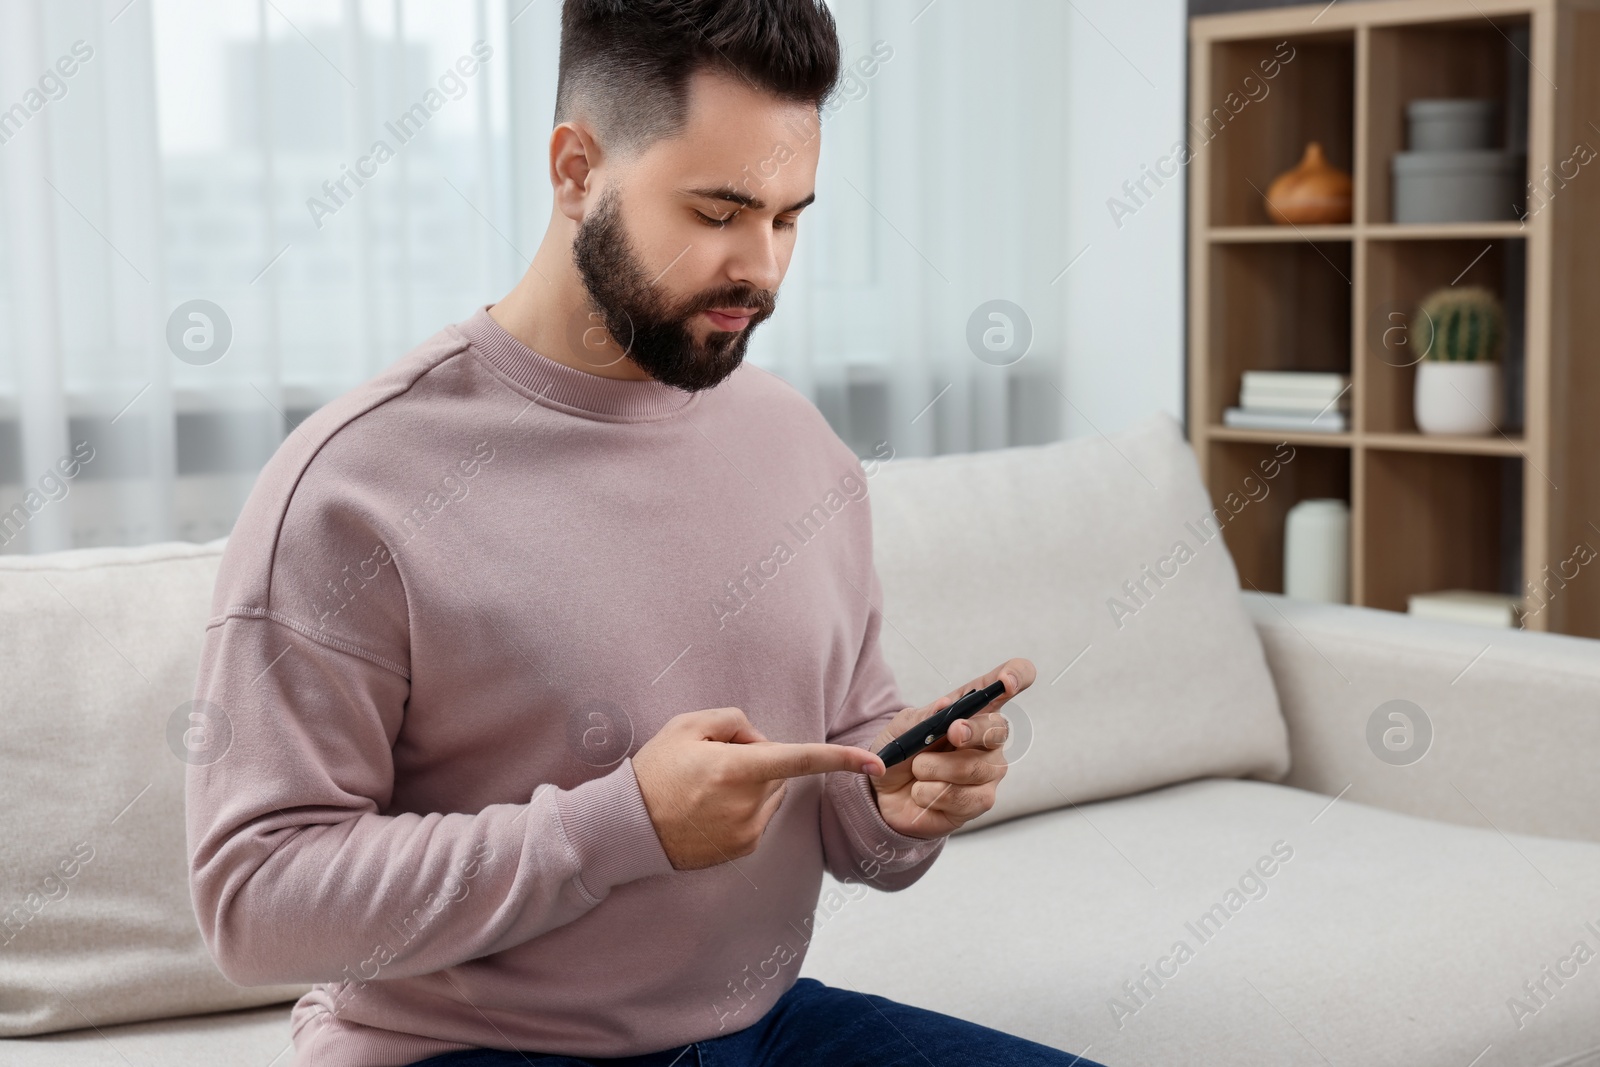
1375 938
96 925
257 1037
1473 751
1040 551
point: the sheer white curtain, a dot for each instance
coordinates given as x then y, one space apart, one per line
201 240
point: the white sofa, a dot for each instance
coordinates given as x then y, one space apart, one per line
1200 774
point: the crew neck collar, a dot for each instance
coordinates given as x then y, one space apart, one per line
616 399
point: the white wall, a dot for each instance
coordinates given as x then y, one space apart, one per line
1126 72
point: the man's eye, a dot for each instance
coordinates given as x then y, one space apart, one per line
777 224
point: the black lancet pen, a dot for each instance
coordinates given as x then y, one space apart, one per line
935 726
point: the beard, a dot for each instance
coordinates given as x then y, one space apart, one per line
652 330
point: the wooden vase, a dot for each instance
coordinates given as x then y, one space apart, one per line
1314 193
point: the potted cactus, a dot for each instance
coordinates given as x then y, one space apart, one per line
1458 387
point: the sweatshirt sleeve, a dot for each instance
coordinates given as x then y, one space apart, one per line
858 845
294 873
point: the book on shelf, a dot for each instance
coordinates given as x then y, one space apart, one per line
1467 605
1266 395
1326 383
1268 400
1331 421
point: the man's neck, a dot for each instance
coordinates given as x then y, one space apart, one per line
549 311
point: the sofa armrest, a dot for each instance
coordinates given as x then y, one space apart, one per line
1515 714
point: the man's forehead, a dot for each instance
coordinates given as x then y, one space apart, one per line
731 124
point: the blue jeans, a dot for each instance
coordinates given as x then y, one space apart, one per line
816 1024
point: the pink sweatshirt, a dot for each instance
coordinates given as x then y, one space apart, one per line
458 599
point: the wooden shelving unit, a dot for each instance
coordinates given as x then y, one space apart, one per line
1515 512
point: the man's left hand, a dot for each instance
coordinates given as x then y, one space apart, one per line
953 780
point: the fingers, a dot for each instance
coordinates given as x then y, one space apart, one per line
985 730
1018 674
961 767
776 759
1022 672
720 724
959 802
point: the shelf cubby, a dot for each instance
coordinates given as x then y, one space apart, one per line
1438 520
1265 480
1398 275
1472 55
1277 306
1265 97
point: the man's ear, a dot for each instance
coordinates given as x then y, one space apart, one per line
574 159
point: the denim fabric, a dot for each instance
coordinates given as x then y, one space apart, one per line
817 1024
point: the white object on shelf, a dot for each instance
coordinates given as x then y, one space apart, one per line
1466 605
1458 396
1271 400
1299 381
1332 421
1316 550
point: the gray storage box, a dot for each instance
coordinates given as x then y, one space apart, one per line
1451 125
1463 186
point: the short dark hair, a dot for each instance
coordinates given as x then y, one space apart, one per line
626 63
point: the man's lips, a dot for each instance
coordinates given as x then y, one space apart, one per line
730 318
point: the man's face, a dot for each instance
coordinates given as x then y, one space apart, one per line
710 227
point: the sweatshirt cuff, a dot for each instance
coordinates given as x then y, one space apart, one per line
609 828
857 805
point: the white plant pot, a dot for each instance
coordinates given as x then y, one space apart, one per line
1458 397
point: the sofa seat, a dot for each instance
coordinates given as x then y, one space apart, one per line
257 1037
1033 925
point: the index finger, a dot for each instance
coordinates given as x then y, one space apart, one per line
766 760
1017 672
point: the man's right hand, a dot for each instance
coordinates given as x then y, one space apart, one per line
711 782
